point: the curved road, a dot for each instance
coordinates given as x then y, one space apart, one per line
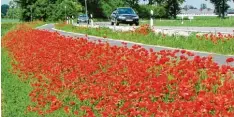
220 59
224 30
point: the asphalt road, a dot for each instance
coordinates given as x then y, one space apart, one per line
220 59
225 30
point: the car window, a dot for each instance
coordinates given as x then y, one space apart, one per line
125 11
82 16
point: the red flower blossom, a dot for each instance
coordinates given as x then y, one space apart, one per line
229 60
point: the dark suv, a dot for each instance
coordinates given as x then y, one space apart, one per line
125 15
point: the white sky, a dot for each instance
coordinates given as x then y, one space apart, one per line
5 2
197 3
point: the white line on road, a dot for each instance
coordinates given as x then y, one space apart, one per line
41 26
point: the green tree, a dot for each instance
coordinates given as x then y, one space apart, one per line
40 9
132 3
49 9
4 9
221 6
13 13
94 7
72 9
203 6
108 7
173 7
151 2
13 4
160 11
27 9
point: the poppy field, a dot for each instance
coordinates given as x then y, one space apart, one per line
81 78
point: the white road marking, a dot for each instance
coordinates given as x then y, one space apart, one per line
41 26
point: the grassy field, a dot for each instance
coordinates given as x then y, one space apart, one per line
196 22
190 42
5 20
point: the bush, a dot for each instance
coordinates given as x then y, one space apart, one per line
144 11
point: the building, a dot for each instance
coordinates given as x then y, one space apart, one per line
197 12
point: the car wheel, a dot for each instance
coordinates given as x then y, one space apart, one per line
116 22
137 24
112 23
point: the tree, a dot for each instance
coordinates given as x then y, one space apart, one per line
203 6
13 13
93 7
12 4
4 9
72 9
49 9
160 11
27 8
151 2
187 7
221 6
132 3
173 7
40 9
103 8
108 7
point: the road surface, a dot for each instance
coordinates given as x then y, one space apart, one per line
218 58
226 30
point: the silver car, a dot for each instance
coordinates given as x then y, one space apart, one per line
83 19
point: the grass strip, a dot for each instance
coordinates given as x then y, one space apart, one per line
191 42
205 21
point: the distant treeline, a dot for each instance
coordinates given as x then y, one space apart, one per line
54 10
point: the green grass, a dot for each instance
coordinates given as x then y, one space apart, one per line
191 42
196 22
14 93
5 27
6 20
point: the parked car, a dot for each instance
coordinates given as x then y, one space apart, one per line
83 18
124 15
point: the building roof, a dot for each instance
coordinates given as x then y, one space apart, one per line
230 11
198 11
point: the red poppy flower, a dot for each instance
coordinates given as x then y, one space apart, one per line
229 60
